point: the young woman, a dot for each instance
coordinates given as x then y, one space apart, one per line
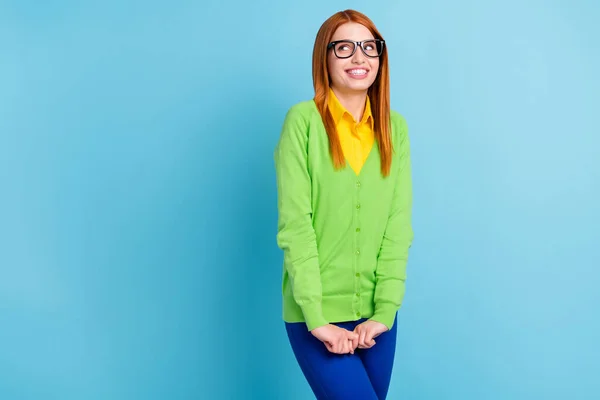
344 200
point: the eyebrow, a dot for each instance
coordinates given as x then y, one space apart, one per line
350 40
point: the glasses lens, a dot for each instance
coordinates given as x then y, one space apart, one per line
372 48
344 49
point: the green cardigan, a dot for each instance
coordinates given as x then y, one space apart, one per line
345 237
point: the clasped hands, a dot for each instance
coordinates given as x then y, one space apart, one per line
342 341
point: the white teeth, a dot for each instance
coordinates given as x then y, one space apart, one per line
358 71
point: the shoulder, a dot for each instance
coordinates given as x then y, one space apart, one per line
399 124
400 139
296 124
301 112
399 128
298 117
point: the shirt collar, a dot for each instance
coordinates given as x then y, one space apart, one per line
338 111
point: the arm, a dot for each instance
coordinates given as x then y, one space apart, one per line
390 274
296 236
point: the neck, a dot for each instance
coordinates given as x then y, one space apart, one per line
353 101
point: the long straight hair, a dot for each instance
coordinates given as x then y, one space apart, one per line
379 92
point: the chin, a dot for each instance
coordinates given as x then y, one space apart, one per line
360 87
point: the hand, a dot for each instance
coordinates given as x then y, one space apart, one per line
367 331
337 340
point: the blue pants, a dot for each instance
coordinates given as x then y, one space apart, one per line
364 375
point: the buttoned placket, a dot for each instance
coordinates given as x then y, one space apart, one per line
357 219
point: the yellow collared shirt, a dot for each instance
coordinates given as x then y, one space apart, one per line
356 138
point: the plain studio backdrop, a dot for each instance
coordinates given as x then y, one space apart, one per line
138 210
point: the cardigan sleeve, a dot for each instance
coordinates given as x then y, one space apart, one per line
295 232
390 273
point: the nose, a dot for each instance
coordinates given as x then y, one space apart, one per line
358 57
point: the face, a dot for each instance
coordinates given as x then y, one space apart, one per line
357 73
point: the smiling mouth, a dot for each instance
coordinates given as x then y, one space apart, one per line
357 71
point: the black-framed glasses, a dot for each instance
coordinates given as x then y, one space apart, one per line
346 48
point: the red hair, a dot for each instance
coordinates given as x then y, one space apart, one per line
379 92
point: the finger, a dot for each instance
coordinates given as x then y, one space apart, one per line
353 339
329 347
357 331
351 347
340 344
344 347
354 343
369 342
333 348
336 344
347 345
361 340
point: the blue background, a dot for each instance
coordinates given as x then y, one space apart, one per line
138 204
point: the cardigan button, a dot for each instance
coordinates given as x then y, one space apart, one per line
357 206
357 184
